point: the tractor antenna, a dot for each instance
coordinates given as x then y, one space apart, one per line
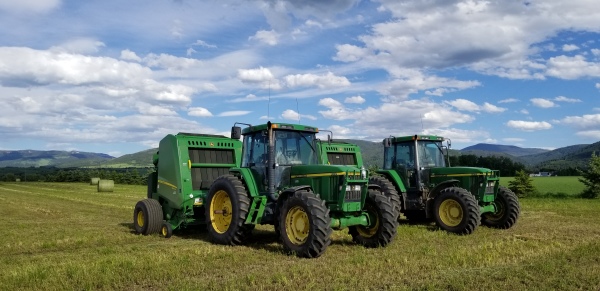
422 129
269 104
298 109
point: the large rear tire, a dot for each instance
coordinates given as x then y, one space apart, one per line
456 211
226 211
305 225
507 210
384 222
147 216
388 189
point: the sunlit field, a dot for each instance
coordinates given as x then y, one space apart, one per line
568 186
64 236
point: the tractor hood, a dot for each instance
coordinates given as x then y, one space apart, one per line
299 171
460 170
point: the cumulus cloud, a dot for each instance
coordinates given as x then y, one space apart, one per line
328 80
268 37
355 100
466 105
588 121
565 99
199 112
542 103
234 113
295 116
255 75
528 125
570 68
130 56
509 100
569 47
249 98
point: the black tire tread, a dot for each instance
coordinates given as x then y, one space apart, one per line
238 232
389 190
319 237
152 213
473 216
388 222
512 211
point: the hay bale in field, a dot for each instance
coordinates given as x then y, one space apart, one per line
94 181
106 185
17 180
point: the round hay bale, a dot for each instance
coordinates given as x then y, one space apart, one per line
106 185
94 181
17 180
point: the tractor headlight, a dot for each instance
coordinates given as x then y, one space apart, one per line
363 173
490 187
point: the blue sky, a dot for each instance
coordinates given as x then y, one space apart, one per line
115 76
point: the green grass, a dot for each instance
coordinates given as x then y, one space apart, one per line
557 187
68 236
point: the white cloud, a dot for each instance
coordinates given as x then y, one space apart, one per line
466 105
249 98
355 100
268 37
565 99
79 46
130 56
234 113
524 111
202 43
199 112
571 68
293 115
569 47
528 125
258 75
509 100
542 103
588 121
154 110
328 80
36 6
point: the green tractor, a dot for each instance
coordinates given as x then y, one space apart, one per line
278 180
339 153
185 167
416 169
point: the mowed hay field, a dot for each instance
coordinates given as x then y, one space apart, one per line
68 236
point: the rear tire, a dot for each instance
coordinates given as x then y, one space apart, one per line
456 211
226 211
305 225
388 189
384 226
147 216
507 211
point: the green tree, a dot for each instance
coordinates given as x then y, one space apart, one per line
591 178
522 184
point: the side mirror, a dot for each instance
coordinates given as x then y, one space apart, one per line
236 132
449 143
329 139
387 142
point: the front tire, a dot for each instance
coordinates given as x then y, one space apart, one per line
305 225
147 216
388 189
384 222
456 211
166 230
507 210
226 211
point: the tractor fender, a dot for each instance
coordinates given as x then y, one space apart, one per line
435 191
285 194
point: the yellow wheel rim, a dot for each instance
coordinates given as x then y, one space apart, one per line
164 230
451 213
369 231
220 211
140 218
297 225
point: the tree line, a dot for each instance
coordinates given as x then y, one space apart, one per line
506 166
131 176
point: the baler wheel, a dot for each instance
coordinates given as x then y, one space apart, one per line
456 211
147 216
384 222
388 189
305 225
226 212
507 210
166 230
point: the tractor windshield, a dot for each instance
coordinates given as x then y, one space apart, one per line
294 148
430 154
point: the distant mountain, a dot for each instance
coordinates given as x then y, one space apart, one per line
506 149
31 158
556 154
141 159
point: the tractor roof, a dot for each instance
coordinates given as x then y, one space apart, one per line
286 126
417 137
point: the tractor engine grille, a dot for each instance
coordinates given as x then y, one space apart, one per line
353 193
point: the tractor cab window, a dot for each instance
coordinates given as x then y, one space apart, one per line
294 148
400 156
430 154
255 149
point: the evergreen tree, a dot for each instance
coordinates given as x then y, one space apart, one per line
522 184
591 178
